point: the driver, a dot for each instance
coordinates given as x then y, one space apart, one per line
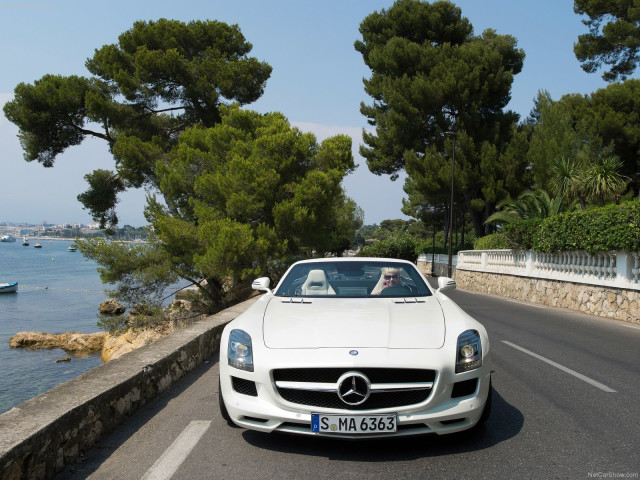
389 277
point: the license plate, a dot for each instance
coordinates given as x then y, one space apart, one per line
353 423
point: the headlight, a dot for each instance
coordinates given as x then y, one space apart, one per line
239 352
469 353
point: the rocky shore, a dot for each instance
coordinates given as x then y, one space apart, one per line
75 343
109 345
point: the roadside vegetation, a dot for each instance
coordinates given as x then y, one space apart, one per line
234 194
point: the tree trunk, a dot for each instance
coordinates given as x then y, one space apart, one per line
478 226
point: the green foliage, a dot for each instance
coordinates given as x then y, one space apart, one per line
102 196
431 74
615 43
495 241
613 227
529 205
249 194
520 235
244 197
144 316
603 180
113 324
139 273
400 245
159 79
609 228
585 146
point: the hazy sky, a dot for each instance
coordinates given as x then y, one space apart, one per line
316 80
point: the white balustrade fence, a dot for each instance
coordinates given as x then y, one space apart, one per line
613 269
442 258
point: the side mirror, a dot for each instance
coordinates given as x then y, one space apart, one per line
446 283
261 284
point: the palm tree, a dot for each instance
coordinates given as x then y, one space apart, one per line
567 180
590 176
603 180
529 205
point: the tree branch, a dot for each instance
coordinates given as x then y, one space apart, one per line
104 136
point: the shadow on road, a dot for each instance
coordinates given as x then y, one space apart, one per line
99 453
505 422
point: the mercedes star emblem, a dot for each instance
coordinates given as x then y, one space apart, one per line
354 388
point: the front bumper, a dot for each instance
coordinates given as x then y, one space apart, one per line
445 410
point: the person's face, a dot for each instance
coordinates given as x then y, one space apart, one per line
392 279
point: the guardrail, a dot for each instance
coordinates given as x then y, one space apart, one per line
611 269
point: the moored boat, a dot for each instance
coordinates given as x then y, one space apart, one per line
10 287
25 242
37 245
7 238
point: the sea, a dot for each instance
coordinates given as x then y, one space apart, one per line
58 291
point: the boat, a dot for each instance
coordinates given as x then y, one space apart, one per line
10 287
71 248
37 245
25 242
7 238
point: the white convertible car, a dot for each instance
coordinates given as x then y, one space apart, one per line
355 347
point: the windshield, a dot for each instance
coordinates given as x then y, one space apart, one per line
353 279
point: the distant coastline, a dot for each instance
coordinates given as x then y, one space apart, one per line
48 232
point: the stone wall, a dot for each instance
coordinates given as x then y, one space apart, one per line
42 435
615 303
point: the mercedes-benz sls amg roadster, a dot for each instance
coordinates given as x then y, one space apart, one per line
355 348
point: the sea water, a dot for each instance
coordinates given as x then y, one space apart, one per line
58 291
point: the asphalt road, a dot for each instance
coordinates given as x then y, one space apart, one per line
566 405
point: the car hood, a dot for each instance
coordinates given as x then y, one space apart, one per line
353 323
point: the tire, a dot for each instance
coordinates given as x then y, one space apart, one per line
486 412
224 413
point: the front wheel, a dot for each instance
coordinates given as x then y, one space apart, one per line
223 409
487 408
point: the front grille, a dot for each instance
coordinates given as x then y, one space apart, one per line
245 387
376 375
377 400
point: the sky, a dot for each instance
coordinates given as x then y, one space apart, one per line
316 80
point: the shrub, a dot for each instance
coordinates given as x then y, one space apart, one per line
520 234
495 241
400 245
604 229
609 228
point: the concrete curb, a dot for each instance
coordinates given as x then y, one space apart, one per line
42 435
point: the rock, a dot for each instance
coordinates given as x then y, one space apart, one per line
85 342
111 307
70 342
140 309
116 346
63 359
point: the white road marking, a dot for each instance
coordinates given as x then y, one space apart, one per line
177 452
635 326
561 367
522 302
